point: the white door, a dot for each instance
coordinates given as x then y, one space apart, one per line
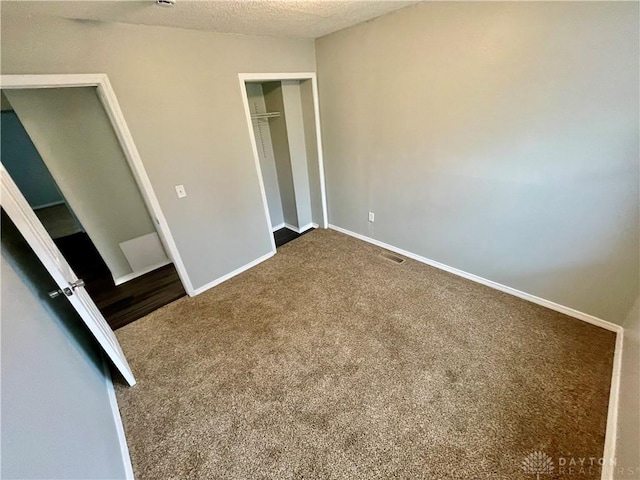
70 286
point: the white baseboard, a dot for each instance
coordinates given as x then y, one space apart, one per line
226 277
306 227
608 468
302 229
131 276
117 419
291 227
489 283
277 227
611 434
249 265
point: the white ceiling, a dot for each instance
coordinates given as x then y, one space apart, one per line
286 18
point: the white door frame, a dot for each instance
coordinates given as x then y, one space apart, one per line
110 102
266 77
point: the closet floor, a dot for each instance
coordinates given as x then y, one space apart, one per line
284 235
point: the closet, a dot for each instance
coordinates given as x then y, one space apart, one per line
283 120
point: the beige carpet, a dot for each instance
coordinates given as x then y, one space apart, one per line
329 361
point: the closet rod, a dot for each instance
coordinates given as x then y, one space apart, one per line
267 115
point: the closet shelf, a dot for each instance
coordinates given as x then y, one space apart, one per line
265 116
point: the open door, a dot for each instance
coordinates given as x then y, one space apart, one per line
69 285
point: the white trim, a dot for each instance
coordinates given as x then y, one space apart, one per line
302 229
608 468
489 283
323 191
294 228
50 204
291 227
306 227
266 77
110 102
117 420
610 436
52 81
139 273
237 271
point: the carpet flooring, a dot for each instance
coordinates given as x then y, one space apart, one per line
330 361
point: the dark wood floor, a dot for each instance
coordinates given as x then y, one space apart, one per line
125 303
284 235
136 298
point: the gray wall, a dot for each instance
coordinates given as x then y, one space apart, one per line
500 138
74 136
297 149
166 78
309 121
262 133
279 140
57 421
628 441
23 162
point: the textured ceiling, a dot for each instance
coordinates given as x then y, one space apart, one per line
294 18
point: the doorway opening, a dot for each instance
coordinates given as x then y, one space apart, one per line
60 149
282 112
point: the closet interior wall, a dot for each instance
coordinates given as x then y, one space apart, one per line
287 148
262 133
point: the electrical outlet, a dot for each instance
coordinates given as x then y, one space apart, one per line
181 191
372 217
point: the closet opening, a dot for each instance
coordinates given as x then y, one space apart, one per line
284 124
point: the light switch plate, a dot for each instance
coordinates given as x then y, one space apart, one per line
181 191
